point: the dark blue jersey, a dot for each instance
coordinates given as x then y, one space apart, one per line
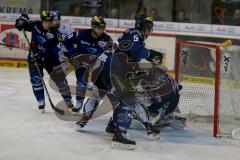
43 42
86 44
134 46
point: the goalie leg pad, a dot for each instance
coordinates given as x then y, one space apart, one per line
173 99
178 123
141 112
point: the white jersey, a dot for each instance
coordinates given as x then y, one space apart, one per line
65 29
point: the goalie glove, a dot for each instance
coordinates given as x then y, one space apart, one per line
22 22
155 57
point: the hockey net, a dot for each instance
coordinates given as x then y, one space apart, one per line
210 77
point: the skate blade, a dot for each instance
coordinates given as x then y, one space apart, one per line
42 110
109 134
70 110
75 113
154 136
78 128
117 145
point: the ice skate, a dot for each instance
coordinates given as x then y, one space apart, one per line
122 141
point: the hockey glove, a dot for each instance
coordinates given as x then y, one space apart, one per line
22 22
155 57
36 58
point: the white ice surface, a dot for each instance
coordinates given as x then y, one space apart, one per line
25 134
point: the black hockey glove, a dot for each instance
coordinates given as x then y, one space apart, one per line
22 22
36 58
155 57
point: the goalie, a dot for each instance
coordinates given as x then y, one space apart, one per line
158 110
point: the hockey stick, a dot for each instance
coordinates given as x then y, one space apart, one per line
158 117
41 77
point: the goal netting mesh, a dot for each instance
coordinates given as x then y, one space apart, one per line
210 76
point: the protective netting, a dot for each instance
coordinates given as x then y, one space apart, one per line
229 101
197 75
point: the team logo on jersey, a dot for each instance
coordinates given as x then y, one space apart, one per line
49 35
92 50
41 39
86 43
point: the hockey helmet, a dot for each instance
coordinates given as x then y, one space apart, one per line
46 16
98 22
56 15
144 22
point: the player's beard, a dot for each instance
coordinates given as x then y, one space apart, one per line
145 36
146 33
96 34
56 25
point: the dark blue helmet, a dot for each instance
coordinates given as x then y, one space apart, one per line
56 15
144 22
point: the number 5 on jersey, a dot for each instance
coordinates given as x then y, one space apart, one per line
135 38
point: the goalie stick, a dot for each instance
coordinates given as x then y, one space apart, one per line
158 116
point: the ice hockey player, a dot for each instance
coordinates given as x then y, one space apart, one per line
159 109
64 29
89 42
44 53
122 115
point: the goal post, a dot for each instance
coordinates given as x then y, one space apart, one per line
210 82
